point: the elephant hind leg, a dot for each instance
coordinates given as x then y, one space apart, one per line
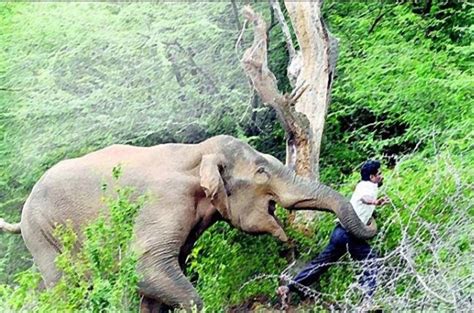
44 249
166 283
51 275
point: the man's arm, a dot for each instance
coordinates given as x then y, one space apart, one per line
371 201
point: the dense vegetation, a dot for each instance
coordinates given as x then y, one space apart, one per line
75 77
101 276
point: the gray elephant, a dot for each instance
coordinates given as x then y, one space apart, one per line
191 186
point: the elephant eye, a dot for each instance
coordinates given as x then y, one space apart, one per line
262 176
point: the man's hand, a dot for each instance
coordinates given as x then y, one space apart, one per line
382 201
371 201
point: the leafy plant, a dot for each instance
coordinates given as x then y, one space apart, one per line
402 93
98 273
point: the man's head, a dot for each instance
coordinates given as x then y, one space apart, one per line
370 171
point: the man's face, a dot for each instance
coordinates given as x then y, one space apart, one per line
377 178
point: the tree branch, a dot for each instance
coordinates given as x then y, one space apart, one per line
174 65
254 62
236 14
376 21
9 89
238 43
378 18
284 27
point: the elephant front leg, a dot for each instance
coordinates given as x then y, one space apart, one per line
164 282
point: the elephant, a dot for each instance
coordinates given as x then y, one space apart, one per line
192 186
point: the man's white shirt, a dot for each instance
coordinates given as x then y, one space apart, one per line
368 190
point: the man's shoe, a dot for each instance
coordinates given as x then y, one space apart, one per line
283 292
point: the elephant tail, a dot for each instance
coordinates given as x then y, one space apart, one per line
10 228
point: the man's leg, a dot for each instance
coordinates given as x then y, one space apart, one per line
360 250
333 251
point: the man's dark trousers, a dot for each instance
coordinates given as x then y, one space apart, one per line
340 242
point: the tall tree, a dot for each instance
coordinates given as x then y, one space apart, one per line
311 71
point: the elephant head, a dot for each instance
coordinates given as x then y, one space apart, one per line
245 185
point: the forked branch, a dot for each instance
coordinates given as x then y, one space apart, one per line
255 64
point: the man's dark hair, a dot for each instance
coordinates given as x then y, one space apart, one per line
370 167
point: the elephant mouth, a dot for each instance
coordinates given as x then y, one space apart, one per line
271 211
271 207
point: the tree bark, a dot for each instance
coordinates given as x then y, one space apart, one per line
318 59
255 64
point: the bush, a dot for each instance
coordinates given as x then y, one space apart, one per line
401 91
98 274
424 241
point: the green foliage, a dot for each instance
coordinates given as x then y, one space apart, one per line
75 77
12 249
98 273
403 94
430 215
79 76
396 87
429 218
240 267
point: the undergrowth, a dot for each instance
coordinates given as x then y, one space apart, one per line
99 272
402 92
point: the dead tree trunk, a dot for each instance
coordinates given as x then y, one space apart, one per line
318 60
311 72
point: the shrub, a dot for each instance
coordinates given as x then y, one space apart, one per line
99 276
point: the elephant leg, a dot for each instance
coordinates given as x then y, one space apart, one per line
44 249
46 264
165 282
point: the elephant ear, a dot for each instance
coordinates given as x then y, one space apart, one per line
212 183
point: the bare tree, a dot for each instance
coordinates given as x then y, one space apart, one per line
311 70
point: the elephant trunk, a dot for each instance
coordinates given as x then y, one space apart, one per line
303 194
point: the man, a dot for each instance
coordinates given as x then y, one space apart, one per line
364 200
